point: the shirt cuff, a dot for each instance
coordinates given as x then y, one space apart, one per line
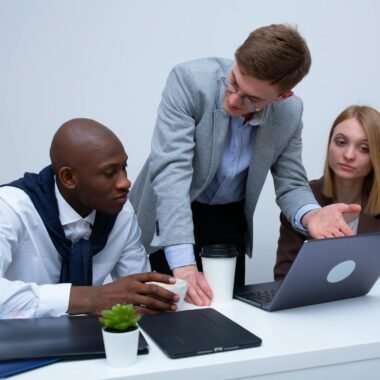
179 255
54 300
300 214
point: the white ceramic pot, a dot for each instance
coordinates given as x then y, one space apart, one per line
121 347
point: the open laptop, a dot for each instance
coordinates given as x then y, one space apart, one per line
196 332
325 270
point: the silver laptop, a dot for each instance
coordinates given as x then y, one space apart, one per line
325 270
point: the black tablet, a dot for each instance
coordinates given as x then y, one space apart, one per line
196 332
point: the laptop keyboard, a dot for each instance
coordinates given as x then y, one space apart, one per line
262 297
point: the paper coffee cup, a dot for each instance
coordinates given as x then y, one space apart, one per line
219 263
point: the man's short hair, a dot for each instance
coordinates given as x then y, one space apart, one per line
276 53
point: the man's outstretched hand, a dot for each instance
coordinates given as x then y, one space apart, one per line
329 221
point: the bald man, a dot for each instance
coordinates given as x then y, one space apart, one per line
64 230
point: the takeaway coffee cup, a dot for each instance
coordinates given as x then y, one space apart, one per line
219 262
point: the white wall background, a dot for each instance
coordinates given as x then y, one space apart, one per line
108 60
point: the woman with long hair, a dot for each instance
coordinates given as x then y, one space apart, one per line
351 175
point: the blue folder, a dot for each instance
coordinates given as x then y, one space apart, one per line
13 367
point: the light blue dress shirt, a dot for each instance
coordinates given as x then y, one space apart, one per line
228 185
229 182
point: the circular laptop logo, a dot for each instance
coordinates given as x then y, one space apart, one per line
341 271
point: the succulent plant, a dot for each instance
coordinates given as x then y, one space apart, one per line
119 318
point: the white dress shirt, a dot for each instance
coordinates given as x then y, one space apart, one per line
30 265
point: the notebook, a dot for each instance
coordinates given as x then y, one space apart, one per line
325 270
196 332
65 337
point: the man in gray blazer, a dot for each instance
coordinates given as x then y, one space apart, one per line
221 127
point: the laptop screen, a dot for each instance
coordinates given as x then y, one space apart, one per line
325 270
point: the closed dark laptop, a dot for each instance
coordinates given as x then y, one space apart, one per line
76 337
325 270
196 332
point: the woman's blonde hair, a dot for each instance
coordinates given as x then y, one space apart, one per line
369 119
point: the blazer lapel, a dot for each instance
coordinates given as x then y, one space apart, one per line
219 133
210 166
261 161
206 166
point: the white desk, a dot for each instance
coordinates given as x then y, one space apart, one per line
338 340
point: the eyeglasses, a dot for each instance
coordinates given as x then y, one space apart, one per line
233 88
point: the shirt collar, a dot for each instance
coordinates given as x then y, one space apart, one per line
257 117
67 214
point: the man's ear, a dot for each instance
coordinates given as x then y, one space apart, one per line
285 95
67 177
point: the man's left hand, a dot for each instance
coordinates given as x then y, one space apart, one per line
328 221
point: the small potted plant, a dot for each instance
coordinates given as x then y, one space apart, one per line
120 334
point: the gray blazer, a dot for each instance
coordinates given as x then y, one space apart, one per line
187 146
